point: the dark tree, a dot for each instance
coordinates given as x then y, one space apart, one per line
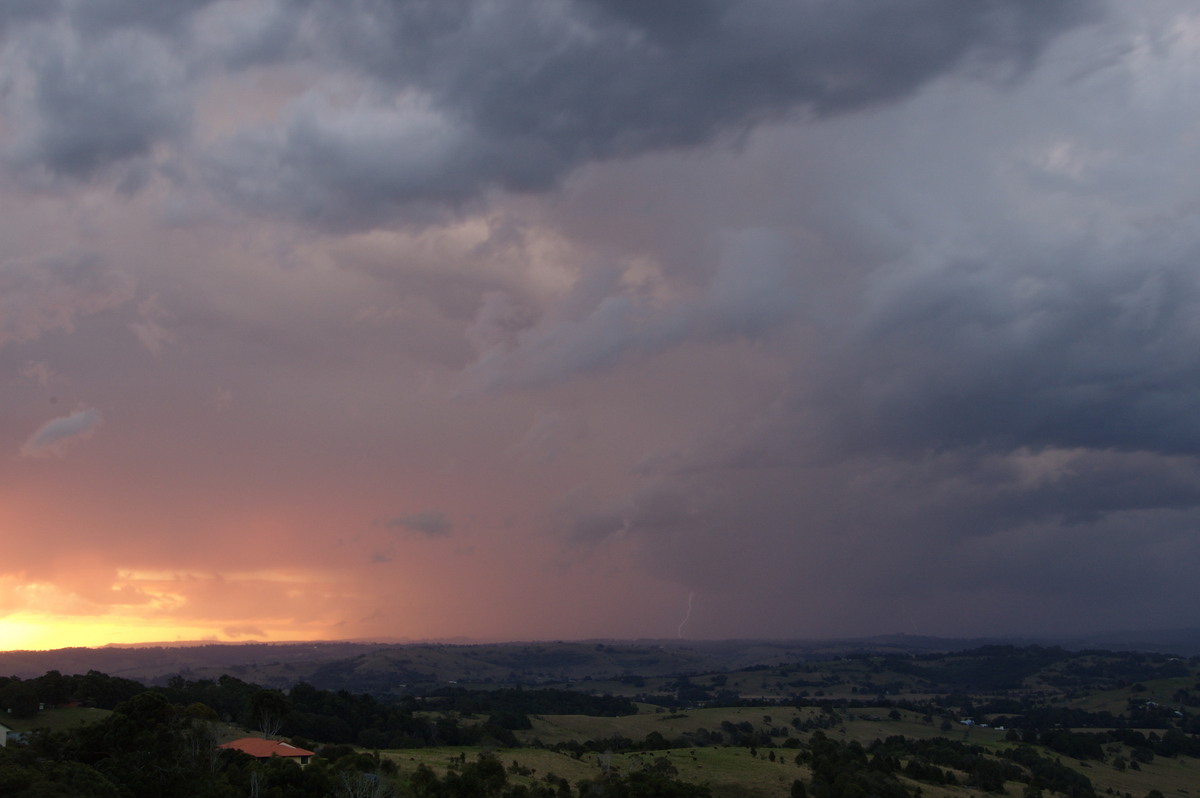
270 708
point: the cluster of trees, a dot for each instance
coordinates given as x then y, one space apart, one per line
841 769
149 747
938 760
1141 715
22 697
617 743
1108 669
340 717
1050 717
1090 745
1050 775
146 747
314 714
984 669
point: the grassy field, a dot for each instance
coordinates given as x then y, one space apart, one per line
864 725
729 772
1173 777
1161 691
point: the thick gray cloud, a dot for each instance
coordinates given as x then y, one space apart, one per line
1083 351
465 96
1013 543
601 79
103 102
84 93
455 98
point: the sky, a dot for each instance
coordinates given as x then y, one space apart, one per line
569 319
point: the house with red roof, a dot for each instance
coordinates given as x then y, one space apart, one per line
259 748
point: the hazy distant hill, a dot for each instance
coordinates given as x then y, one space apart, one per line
392 667
375 666
370 665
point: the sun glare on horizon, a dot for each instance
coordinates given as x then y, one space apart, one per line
44 633
34 633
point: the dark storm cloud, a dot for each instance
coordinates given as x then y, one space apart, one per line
457 97
94 89
104 102
597 79
468 95
861 542
1086 348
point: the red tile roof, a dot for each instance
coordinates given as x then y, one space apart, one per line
259 748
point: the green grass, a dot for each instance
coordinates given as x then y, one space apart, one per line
1174 777
731 771
727 771
551 729
1161 691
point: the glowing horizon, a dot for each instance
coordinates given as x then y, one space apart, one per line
29 632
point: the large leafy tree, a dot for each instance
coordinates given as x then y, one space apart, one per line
270 708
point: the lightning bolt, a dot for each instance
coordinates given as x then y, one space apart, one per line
688 614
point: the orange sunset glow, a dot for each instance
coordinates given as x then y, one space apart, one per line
42 633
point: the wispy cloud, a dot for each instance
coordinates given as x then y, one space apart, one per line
430 523
53 437
50 293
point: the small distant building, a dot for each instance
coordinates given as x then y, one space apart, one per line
4 730
259 748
